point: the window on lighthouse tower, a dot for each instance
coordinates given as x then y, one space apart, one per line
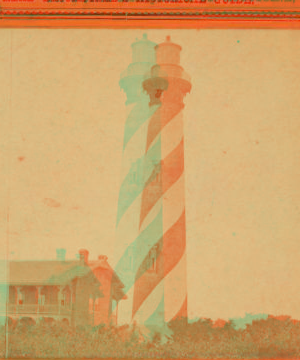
152 259
153 262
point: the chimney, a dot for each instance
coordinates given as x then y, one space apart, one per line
61 254
102 257
84 255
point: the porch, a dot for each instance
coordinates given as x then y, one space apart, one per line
40 301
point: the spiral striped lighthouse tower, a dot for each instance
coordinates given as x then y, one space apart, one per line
151 231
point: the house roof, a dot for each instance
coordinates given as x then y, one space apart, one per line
56 272
45 272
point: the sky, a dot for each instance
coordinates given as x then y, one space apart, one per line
62 116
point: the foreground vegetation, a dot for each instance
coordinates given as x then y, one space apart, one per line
269 338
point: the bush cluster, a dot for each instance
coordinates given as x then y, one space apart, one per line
269 338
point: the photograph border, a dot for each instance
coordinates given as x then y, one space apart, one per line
172 14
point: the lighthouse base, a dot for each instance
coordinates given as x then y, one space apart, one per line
159 334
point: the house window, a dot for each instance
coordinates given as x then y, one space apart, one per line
91 305
97 305
41 300
61 298
20 297
64 299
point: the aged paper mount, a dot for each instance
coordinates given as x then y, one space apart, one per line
149 157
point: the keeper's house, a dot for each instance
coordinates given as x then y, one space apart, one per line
80 292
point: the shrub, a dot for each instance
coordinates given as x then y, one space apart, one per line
270 338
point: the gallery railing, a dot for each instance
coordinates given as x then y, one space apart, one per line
23 309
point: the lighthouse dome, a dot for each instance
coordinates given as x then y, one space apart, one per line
168 53
143 51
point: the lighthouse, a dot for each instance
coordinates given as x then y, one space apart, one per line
151 226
